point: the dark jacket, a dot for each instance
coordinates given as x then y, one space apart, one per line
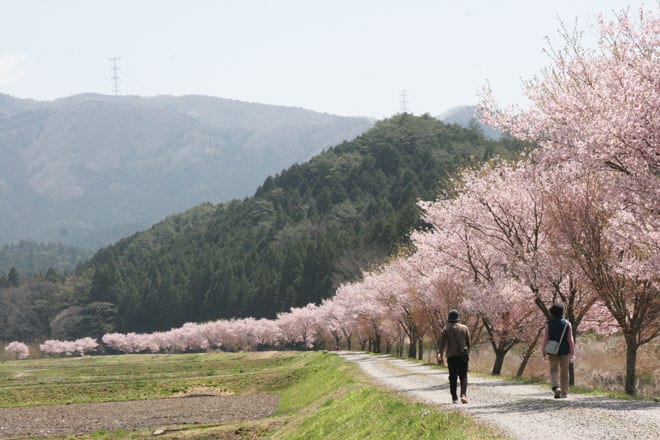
555 328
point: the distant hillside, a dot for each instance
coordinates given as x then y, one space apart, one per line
464 116
31 258
305 231
10 106
89 169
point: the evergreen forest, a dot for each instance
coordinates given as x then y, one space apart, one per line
304 232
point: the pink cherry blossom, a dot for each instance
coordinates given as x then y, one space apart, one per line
20 349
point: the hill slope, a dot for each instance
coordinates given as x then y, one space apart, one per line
305 231
89 169
464 116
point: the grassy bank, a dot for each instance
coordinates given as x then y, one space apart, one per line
321 397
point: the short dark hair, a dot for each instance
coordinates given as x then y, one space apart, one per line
557 310
453 316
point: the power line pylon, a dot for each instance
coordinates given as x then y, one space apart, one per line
403 101
115 74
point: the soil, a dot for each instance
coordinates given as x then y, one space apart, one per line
520 411
75 419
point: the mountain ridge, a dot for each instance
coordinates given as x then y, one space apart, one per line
88 169
464 115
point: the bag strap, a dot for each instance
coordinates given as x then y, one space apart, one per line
563 331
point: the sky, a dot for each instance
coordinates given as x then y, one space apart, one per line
345 57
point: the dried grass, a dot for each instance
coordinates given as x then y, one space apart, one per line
600 365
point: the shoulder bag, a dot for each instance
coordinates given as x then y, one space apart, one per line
552 347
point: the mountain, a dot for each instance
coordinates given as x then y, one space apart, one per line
10 106
88 169
464 116
305 231
31 258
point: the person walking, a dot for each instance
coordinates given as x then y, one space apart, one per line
455 339
560 331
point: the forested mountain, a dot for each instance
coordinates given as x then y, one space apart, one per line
305 230
30 258
89 169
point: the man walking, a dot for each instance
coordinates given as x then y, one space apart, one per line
455 339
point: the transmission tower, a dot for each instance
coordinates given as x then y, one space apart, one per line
403 101
115 74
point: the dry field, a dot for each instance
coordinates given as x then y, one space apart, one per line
600 364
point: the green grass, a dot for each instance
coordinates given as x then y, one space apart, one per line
333 400
130 377
321 396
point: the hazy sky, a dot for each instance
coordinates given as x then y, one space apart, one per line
347 57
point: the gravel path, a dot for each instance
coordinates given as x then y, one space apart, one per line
525 412
66 420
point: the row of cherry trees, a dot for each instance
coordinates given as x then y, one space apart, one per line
576 222
596 115
78 347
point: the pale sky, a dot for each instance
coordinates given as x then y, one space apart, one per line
346 57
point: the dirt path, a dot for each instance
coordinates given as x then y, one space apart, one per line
525 412
66 420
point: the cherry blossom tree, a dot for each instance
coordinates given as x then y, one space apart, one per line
597 111
337 317
86 345
136 342
518 227
341 314
391 288
365 311
634 303
266 333
80 346
298 326
491 236
19 349
440 287
616 86
442 295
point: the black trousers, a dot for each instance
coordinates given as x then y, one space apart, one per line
458 369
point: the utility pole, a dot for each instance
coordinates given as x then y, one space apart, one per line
115 74
403 101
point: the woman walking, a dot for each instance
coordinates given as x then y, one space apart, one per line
560 352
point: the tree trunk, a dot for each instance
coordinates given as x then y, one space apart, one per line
377 348
412 349
529 352
420 351
499 362
500 348
631 364
401 345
